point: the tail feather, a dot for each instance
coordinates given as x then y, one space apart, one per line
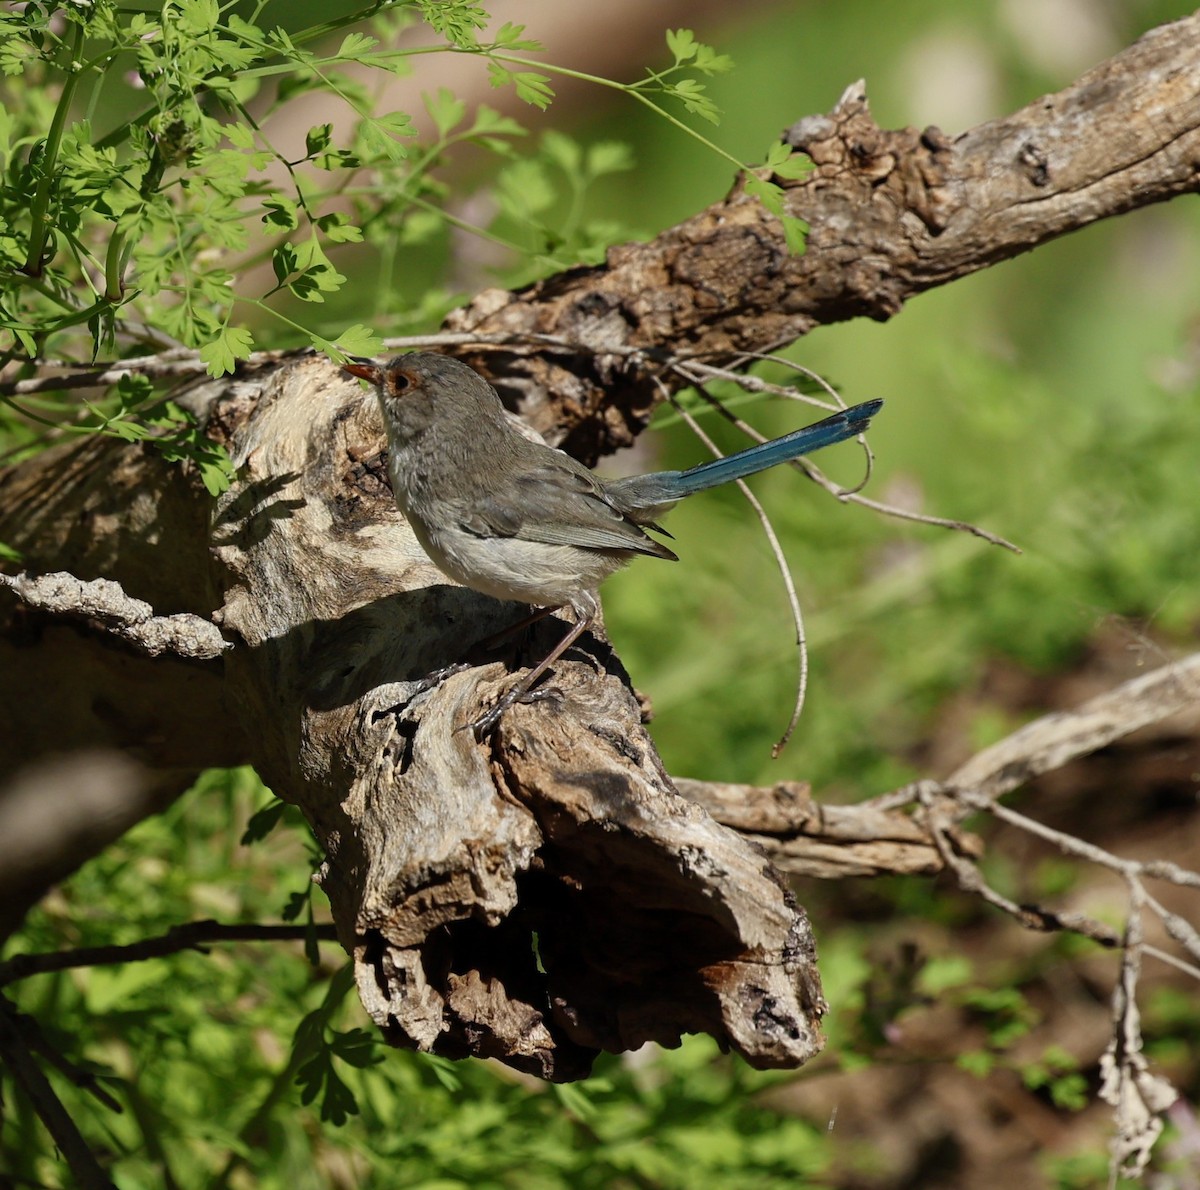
665 487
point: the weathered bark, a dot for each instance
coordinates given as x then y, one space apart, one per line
446 859
891 215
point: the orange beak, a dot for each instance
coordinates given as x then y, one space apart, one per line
364 369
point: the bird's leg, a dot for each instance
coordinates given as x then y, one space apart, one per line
436 677
489 719
538 613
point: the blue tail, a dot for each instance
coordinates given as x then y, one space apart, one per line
665 487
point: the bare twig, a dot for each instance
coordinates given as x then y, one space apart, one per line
193 935
1138 1097
1053 740
694 370
102 601
785 573
178 363
21 1065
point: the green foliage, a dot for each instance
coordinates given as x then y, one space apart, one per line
1058 1074
143 185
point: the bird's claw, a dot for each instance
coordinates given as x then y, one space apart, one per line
436 677
486 722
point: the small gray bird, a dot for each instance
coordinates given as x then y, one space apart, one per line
518 520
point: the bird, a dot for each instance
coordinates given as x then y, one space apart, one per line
513 518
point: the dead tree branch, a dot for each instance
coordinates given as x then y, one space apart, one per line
132 621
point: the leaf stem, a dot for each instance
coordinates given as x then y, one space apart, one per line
612 85
39 225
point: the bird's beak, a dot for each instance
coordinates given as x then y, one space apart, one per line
364 369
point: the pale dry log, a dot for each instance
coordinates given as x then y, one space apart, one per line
447 858
103 603
97 734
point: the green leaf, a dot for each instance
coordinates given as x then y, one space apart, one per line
682 44
221 355
241 135
133 389
490 122
770 195
128 431
456 20
708 61
499 76
337 159
314 274
317 1077
776 155
356 1047
319 138
575 1100
280 212
419 227
263 822
564 151
283 261
690 93
297 902
443 1070
510 38
379 132
359 340
534 88
795 234
338 228
445 109
977 1062
793 166
216 470
608 157
354 45
523 188
940 974
199 16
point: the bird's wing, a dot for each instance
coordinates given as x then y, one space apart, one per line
558 504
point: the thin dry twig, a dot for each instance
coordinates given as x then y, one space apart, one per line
785 573
686 368
177 363
21 1065
1139 1098
192 935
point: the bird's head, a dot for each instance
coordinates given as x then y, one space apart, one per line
416 389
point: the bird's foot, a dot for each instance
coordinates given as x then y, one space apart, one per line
485 723
436 677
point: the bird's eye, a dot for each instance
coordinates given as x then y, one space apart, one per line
400 382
